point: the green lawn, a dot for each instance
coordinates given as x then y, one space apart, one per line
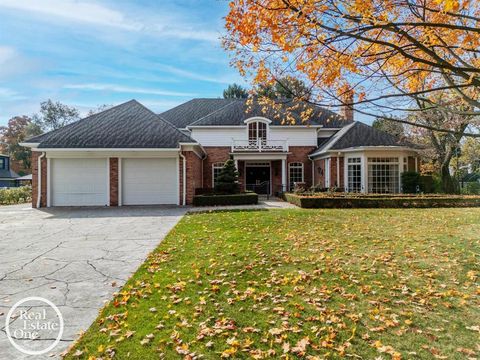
308 284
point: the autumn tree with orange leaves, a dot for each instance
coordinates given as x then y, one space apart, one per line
392 54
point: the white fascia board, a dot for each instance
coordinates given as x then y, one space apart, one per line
215 127
194 147
322 155
378 148
328 153
244 126
104 149
30 145
297 126
112 153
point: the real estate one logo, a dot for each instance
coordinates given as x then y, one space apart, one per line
34 325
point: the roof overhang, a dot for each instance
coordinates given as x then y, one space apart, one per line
197 148
360 148
103 149
30 145
244 126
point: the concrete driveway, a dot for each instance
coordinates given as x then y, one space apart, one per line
75 258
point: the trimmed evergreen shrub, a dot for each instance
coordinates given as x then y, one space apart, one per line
471 188
227 179
411 183
381 201
427 184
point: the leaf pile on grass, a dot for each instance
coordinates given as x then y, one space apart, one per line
309 284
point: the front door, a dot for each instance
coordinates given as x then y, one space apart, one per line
257 179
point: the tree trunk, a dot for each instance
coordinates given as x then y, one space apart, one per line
448 185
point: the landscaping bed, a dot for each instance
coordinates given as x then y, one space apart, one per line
16 195
247 198
335 200
301 284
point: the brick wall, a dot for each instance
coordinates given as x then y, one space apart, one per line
334 180
319 173
276 176
193 177
300 154
113 181
214 154
43 201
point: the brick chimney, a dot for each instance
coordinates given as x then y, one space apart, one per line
346 109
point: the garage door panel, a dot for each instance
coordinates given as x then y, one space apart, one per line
149 181
79 182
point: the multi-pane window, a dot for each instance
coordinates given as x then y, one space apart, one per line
216 168
295 172
354 174
383 175
257 130
2 163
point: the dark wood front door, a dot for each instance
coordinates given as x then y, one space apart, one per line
257 179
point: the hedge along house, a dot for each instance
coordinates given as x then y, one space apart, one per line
128 155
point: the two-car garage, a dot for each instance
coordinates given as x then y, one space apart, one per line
87 181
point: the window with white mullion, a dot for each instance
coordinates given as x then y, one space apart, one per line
257 130
216 168
295 172
354 175
383 175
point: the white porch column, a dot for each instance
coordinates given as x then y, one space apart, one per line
284 175
364 168
338 170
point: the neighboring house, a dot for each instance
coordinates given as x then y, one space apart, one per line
7 176
128 155
25 180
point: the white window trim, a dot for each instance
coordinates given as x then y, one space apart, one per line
396 161
346 173
328 162
257 119
298 165
215 165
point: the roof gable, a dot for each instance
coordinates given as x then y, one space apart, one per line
128 125
359 134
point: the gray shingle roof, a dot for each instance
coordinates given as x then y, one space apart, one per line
359 134
8 174
184 114
128 125
217 112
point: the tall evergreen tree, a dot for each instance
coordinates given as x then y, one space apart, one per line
235 91
227 179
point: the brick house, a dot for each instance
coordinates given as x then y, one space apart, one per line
128 155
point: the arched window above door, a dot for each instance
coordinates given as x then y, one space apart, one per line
257 129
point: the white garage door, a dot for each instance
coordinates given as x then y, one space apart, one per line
149 181
79 182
